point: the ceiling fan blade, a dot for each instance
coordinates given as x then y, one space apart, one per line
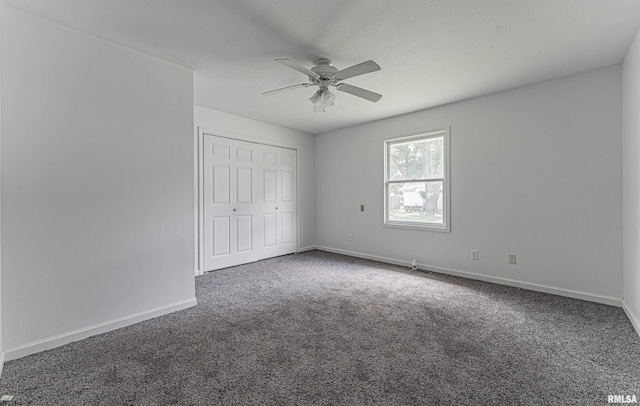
298 67
356 70
284 89
360 92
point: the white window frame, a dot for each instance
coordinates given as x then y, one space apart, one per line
446 182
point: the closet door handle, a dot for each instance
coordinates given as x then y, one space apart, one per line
234 209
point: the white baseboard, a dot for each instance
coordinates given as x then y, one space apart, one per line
308 248
492 279
635 321
80 334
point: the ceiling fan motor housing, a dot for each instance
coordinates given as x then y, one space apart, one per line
325 69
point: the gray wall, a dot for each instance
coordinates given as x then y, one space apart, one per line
1 345
97 184
631 180
535 171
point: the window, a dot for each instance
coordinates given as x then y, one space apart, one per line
416 181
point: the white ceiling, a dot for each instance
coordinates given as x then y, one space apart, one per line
431 52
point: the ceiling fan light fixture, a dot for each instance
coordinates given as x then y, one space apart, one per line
316 98
328 99
322 100
318 108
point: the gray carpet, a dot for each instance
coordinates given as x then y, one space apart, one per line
324 329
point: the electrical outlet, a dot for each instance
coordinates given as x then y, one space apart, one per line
350 237
362 207
474 255
512 259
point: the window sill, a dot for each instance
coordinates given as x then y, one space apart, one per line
413 226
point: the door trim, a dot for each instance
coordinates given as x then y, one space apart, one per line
199 187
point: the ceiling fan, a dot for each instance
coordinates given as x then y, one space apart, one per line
324 75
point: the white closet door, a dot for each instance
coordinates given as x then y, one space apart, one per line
277 207
249 202
230 189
